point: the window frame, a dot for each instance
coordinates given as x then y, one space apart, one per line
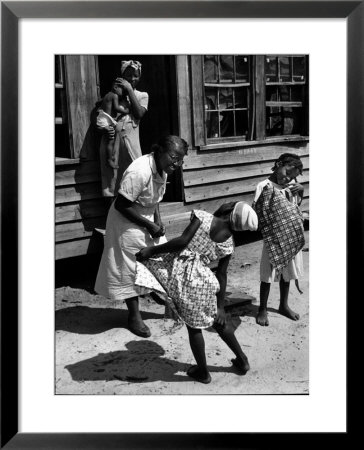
257 134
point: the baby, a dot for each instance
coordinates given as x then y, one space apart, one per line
112 105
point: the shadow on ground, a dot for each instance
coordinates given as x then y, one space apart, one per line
142 362
86 320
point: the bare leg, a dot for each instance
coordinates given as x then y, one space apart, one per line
197 343
284 309
135 321
111 155
227 335
262 317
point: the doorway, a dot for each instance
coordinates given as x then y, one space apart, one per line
158 79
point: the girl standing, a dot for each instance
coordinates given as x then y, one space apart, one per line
276 203
180 274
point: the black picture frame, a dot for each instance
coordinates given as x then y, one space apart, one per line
11 12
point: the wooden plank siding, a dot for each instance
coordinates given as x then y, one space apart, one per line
222 174
82 94
213 174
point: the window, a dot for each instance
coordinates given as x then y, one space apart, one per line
62 147
286 79
227 95
249 97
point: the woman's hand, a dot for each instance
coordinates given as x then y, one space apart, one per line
220 316
144 253
125 84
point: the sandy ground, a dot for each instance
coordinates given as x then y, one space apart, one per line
97 354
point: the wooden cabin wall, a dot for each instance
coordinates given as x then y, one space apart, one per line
210 176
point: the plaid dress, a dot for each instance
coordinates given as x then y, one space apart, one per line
281 224
184 279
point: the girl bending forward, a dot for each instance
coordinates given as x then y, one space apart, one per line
178 270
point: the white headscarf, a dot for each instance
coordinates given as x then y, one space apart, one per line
243 217
134 64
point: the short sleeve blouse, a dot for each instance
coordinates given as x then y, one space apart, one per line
141 182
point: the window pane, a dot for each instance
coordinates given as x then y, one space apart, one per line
283 121
241 95
210 69
299 68
242 68
58 104
284 93
284 68
271 68
226 68
297 93
241 123
227 124
271 94
225 98
210 98
212 125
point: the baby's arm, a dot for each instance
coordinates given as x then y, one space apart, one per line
117 106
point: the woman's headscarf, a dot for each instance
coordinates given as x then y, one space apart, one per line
134 64
243 217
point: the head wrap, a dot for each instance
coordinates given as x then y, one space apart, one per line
243 217
134 64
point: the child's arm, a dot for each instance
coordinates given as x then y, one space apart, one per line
138 110
297 189
117 106
174 245
221 275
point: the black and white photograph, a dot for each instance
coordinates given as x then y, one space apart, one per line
182 224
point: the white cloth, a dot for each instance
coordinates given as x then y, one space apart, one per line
104 120
142 185
243 217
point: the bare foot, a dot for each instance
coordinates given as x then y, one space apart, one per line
262 318
198 374
241 364
286 311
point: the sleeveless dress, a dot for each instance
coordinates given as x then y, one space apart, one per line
184 279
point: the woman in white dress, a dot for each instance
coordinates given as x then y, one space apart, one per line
134 222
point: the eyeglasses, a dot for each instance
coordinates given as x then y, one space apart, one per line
176 160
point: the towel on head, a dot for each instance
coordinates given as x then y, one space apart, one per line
243 217
134 64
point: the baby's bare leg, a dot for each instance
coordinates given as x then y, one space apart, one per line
284 309
111 154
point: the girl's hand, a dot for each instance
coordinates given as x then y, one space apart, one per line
296 188
220 317
143 254
125 84
156 230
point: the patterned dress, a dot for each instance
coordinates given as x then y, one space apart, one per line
184 279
